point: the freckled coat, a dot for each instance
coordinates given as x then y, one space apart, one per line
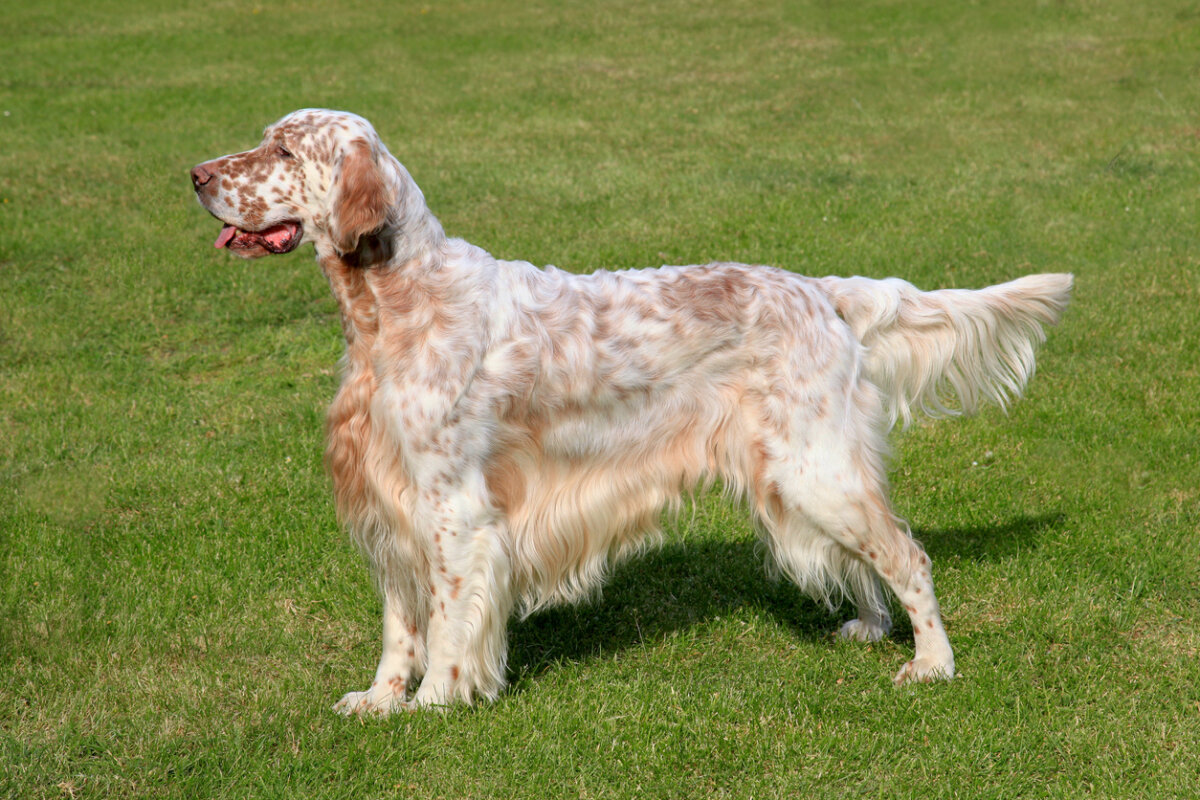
504 432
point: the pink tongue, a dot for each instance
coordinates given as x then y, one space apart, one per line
227 234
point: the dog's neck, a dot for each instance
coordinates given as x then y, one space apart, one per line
356 302
372 291
404 273
411 240
412 233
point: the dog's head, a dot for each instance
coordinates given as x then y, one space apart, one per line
318 176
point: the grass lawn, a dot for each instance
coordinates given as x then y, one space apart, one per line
178 607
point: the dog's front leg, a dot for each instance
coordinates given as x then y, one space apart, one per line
471 599
400 667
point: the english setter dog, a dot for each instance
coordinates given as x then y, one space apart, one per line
504 433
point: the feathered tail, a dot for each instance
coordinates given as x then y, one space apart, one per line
944 352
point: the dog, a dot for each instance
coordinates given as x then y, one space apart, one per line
504 433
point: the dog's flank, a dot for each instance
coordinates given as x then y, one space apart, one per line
504 433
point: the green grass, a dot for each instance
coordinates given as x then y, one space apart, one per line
179 609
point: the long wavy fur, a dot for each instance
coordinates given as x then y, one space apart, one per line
946 352
504 433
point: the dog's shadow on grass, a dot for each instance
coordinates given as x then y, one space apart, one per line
989 542
687 583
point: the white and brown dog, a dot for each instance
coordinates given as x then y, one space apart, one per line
504 433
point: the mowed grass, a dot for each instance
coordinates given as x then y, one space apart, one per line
178 607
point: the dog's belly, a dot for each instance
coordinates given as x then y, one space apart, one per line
590 488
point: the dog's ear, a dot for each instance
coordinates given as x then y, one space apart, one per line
361 198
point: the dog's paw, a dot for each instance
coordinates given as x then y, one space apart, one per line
372 701
857 630
924 670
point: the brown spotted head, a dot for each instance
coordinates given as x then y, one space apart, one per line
317 176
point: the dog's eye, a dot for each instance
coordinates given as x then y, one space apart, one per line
283 152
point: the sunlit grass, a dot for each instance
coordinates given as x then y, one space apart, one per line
180 609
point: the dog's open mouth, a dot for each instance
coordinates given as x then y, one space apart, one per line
281 238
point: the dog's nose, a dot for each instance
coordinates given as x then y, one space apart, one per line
200 176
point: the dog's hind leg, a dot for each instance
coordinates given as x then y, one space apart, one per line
823 499
873 621
858 542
